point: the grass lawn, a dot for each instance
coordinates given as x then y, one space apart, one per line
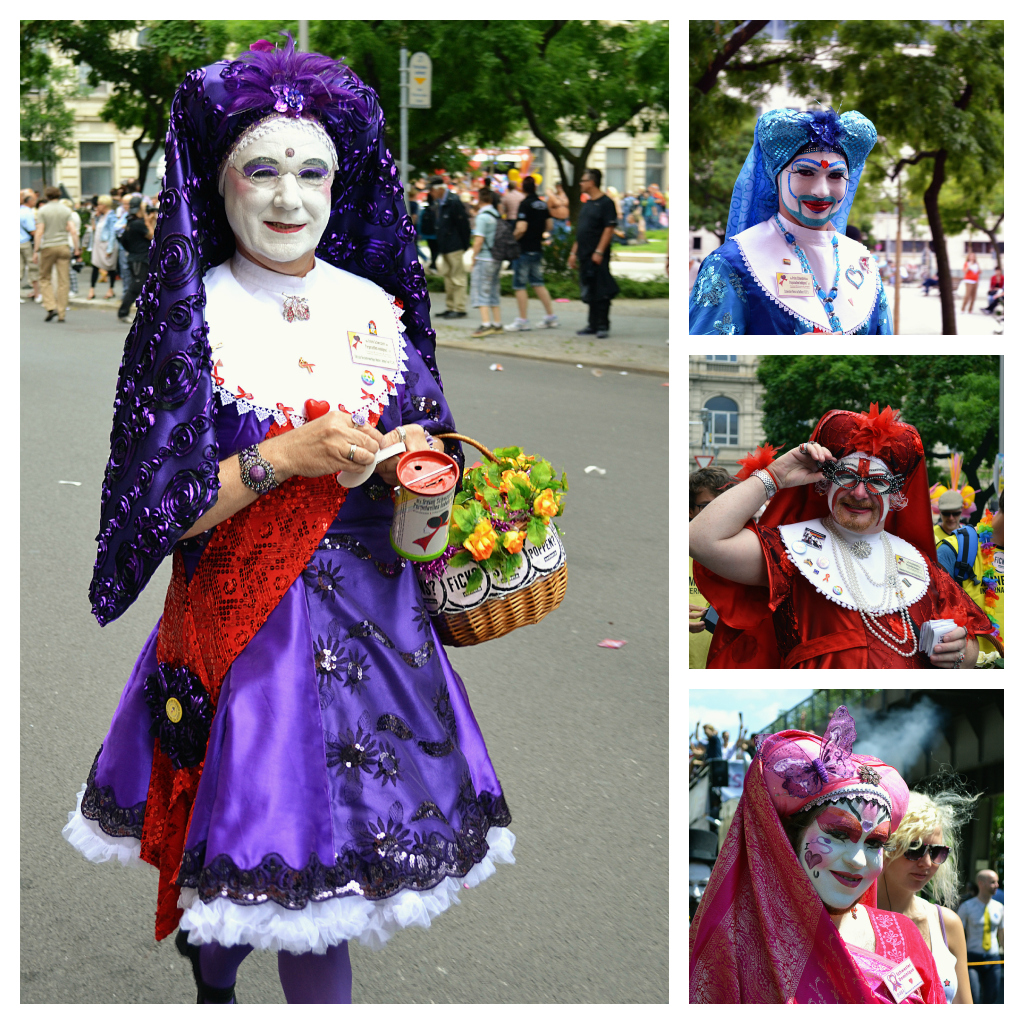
657 241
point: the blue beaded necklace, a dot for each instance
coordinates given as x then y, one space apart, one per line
826 300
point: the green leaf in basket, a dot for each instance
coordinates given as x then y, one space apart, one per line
536 531
509 567
565 481
518 496
492 496
465 516
459 559
508 453
475 580
540 475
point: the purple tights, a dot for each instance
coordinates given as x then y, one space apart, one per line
305 977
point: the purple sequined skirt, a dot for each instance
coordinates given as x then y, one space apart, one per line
347 790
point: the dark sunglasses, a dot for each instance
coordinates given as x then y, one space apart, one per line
938 854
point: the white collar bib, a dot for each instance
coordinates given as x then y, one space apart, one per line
349 353
818 564
763 249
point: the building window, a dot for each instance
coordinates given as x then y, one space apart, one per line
32 176
96 161
696 243
615 169
725 420
721 359
655 172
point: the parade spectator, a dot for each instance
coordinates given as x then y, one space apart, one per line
55 229
558 208
452 243
28 229
138 233
510 201
428 229
713 743
104 246
840 506
532 222
119 226
705 485
74 267
594 231
982 918
995 291
930 282
971 274
485 277
924 851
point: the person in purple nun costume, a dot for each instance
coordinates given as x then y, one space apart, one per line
293 750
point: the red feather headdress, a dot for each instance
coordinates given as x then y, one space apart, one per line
762 458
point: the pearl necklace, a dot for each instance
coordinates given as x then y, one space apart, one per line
869 617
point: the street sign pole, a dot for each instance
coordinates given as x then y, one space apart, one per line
403 168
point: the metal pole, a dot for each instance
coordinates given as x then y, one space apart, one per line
403 160
304 35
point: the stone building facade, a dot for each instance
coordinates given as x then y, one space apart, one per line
726 402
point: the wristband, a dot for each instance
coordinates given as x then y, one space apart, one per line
257 473
769 484
768 470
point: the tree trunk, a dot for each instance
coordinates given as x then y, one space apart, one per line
144 161
931 205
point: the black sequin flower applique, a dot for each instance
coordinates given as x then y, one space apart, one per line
325 658
421 618
354 671
377 840
443 709
324 580
182 713
356 752
387 765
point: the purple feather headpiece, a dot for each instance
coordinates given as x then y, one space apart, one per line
162 472
827 133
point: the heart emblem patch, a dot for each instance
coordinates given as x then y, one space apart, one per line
849 276
315 408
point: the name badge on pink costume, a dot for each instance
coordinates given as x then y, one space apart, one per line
903 980
798 285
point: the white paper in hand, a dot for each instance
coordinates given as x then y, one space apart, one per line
932 633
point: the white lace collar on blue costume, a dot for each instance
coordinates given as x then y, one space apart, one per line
763 249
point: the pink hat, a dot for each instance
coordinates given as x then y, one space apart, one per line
803 770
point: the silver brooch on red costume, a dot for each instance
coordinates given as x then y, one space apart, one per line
295 308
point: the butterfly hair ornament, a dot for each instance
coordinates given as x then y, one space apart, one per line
803 770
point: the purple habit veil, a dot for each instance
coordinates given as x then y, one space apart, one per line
162 472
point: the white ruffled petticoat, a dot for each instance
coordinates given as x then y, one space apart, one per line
317 925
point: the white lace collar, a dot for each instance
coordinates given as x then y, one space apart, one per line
350 352
810 547
763 249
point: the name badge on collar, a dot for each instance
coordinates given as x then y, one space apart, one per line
794 284
903 980
369 349
910 567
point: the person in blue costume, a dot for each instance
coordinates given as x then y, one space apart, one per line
787 267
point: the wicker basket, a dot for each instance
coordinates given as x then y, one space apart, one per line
501 615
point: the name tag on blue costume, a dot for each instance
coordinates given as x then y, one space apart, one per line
794 284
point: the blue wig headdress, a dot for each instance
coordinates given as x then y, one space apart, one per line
162 472
778 137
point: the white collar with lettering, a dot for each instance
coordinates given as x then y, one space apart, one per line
763 249
826 580
266 365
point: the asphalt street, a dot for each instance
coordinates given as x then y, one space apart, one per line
578 733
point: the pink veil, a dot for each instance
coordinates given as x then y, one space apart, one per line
761 933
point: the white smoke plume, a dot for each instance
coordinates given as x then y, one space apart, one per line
899 736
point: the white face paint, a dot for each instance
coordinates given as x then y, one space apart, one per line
812 187
846 505
277 194
841 850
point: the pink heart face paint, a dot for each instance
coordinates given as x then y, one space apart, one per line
841 850
277 193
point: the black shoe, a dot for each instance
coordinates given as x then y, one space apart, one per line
50 316
602 334
205 993
446 315
123 319
587 330
457 316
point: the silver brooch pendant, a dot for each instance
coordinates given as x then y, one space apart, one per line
861 549
295 308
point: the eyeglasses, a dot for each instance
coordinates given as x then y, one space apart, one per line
847 478
938 854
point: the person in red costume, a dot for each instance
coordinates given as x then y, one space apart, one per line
840 570
789 914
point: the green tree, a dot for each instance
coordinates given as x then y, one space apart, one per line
143 74
712 179
47 122
973 199
953 401
590 77
467 109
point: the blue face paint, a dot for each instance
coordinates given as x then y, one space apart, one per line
810 193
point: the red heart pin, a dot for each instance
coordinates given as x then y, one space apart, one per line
315 408
824 163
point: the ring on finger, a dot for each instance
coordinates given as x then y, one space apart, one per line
352 453
401 434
